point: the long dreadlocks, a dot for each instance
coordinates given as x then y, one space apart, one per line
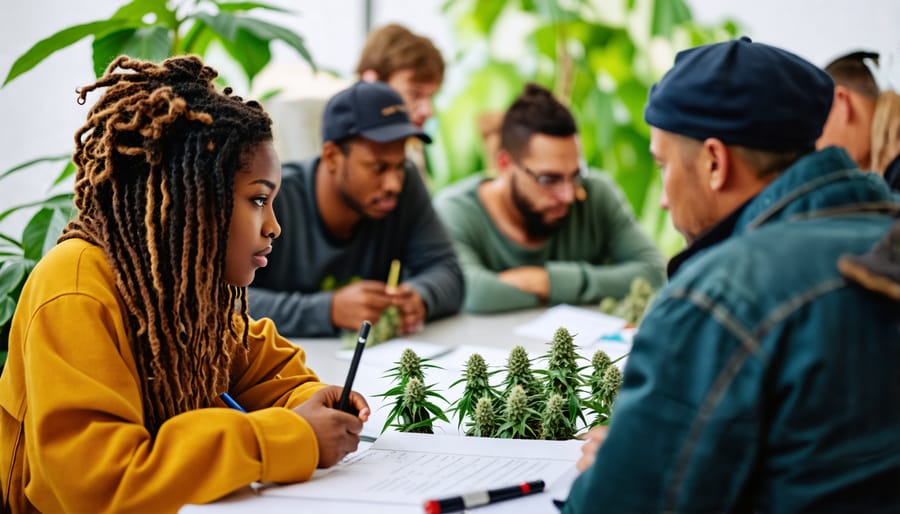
156 163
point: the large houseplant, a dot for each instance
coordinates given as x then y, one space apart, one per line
147 29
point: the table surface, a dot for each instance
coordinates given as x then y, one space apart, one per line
490 331
459 336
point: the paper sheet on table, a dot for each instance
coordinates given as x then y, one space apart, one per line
408 469
456 360
387 353
586 325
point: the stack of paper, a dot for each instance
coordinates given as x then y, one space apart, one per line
402 471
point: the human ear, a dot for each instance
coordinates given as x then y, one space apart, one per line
504 161
331 156
842 106
369 75
716 163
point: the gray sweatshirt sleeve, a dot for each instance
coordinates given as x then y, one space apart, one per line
277 290
295 314
430 258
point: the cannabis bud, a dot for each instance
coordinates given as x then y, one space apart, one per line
484 417
609 388
600 362
562 350
519 372
414 393
555 421
476 369
516 404
411 365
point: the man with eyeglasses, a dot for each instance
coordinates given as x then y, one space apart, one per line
849 123
345 215
545 230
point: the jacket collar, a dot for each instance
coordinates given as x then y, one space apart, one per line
718 233
802 189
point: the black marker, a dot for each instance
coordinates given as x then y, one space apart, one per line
476 499
344 404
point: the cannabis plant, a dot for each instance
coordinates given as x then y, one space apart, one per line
518 417
477 386
384 329
484 419
563 375
518 372
632 307
555 424
413 409
603 383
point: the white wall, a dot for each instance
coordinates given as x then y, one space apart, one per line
39 114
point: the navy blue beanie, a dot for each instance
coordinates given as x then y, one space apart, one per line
743 93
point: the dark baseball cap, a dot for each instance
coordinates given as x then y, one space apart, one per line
372 110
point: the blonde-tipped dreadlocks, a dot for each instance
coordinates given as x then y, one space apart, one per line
156 163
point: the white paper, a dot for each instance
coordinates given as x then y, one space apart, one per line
587 325
408 469
386 354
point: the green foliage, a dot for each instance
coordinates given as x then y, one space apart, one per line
519 373
527 404
477 388
484 419
563 374
413 409
145 29
603 383
156 29
19 255
386 328
633 306
600 57
519 418
555 423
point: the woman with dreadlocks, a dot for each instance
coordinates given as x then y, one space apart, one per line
130 329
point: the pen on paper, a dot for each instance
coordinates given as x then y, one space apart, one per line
479 498
393 276
229 401
344 403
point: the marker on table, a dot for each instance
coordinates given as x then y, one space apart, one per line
476 499
344 404
229 401
393 276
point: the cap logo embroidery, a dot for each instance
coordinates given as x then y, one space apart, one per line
391 109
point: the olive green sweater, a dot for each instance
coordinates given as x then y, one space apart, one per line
597 252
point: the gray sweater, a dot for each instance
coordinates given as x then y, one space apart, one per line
307 263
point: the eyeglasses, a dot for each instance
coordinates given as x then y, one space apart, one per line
555 181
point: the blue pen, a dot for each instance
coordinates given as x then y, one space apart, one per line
229 401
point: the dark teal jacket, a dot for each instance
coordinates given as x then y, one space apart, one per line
761 380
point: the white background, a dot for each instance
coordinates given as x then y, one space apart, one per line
39 114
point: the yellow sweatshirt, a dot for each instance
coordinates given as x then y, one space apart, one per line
72 437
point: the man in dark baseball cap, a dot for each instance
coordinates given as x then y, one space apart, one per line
345 215
760 380
372 110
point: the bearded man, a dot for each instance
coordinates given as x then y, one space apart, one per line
546 230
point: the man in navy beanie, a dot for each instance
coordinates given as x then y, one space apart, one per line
760 380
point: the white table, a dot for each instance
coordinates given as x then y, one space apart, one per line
492 331
491 335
